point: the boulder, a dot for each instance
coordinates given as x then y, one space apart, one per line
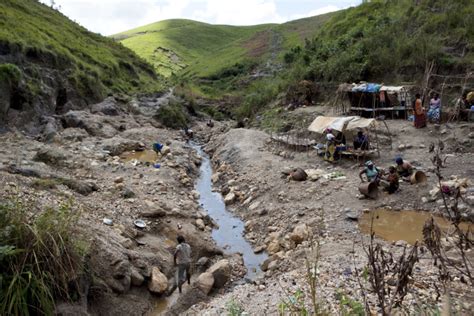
51 156
229 198
158 283
205 281
107 107
273 246
200 224
221 272
300 233
118 145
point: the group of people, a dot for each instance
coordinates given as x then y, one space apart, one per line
433 114
336 138
389 181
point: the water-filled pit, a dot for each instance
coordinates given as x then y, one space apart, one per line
404 225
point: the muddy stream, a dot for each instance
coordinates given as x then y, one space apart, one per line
228 235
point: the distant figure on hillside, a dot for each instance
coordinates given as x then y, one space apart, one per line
182 259
210 123
361 141
435 107
419 112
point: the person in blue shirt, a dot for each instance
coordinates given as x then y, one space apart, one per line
371 172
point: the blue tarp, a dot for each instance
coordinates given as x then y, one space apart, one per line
367 87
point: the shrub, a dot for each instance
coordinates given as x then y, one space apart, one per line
172 115
10 74
39 257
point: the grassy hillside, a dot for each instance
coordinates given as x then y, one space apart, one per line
188 47
391 40
38 41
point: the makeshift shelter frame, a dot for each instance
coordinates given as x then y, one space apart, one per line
340 106
371 131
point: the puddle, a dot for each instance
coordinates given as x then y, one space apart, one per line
229 235
402 225
149 156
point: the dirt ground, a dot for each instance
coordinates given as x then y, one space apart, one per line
251 165
104 181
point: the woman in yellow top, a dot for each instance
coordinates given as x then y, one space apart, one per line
420 118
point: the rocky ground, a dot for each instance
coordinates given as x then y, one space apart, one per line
279 215
96 159
87 158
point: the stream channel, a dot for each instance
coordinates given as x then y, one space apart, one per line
229 234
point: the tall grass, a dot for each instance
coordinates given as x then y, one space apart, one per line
39 257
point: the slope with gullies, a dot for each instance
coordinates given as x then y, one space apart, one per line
188 48
49 62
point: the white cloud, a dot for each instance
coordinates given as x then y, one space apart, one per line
319 11
110 16
113 16
243 12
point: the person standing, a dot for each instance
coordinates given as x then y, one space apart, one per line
435 107
420 118
182 259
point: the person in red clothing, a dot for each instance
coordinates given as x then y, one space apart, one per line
420 117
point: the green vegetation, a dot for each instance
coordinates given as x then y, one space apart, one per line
188 48
10 74
172 115
390 40
40 257
234 308
34 34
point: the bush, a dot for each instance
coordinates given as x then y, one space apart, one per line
172 115
39 258
10 74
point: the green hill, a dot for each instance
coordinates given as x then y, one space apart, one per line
47 58
188 47
392 41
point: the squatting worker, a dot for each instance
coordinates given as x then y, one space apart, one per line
404 169
182 259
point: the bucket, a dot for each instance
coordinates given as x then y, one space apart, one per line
418 177
369 189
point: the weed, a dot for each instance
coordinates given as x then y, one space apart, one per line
234 308
39 257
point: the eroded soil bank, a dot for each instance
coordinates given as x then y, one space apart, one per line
94 152
279 216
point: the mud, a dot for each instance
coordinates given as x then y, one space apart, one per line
402 225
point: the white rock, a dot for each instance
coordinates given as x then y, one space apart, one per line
205 281
229 198
158 283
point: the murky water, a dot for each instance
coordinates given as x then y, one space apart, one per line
402 225
149 156
229 235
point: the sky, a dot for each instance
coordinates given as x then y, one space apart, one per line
109 17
